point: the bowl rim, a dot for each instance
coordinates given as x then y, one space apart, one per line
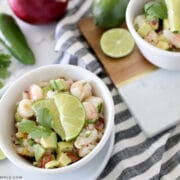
84 160
129 20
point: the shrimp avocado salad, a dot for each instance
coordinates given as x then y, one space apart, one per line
58 122
159 24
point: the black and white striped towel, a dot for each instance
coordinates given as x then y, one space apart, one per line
134 155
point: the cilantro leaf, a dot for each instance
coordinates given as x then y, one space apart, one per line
1 85
4 73
156 9
44 118
5 60
26 126
34 131
148 5
4 63
39 132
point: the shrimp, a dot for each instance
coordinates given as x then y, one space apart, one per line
173 38
152 37
96 101
86 137
68 83
43 84
91 111
81 89
86 150
24 108
35 92
25 95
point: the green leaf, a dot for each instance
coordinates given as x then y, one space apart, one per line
156 9
4 63
5 60
39 132
4 73
44 118
1 85
26 126
148 5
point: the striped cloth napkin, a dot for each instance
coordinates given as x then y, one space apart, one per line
134 155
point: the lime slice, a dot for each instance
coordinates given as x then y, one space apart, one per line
117 42
50 105
72 114
173 7
2 156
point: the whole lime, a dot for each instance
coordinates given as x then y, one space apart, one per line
109 13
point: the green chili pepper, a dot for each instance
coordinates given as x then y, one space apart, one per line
13 38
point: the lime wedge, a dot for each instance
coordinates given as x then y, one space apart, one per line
51 106
173 7
2 156
72 114
117 42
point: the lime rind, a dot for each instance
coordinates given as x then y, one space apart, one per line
117 43
2 156
173 7
72 114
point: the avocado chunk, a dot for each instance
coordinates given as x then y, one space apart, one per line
166 24
52 164
161 37
65 146
58 85
63 159
163 45
144 29
26 126
49 142
39 151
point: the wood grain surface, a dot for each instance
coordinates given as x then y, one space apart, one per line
121 70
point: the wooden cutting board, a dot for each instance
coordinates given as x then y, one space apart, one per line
121 70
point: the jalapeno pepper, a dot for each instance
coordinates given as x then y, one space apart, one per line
13 38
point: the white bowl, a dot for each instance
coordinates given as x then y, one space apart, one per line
13 95
161 58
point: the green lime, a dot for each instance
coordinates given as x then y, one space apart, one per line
2 156
109 13
117 42
173 7
51 106
72 114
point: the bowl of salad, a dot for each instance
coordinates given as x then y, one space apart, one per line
55 119
155 26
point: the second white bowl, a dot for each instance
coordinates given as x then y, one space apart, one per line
161 58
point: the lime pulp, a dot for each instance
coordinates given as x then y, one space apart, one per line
72 114
117 42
